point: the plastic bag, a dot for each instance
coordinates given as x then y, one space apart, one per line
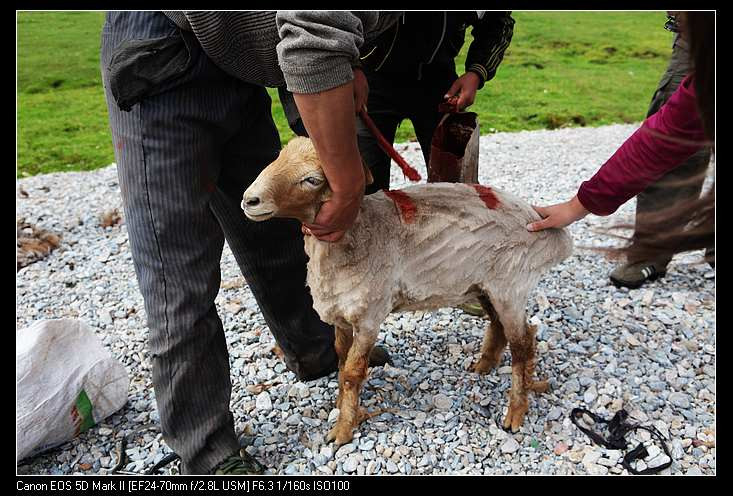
66 382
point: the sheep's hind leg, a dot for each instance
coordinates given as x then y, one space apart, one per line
351 379
344 340
494 340
531 384
523 347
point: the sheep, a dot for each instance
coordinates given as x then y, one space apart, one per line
423 247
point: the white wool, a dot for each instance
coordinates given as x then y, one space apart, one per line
455 247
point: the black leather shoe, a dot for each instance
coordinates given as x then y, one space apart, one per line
240 463
379 356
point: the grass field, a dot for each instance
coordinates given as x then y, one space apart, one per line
562 69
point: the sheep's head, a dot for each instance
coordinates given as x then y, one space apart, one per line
293 186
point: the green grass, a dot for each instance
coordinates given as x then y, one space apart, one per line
562 69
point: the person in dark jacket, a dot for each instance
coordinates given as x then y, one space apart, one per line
411 69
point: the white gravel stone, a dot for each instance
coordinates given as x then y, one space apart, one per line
591 457
590 395
264 402
294 419
350 464
554 414
345 450
510 445
442 402
595 469
680 400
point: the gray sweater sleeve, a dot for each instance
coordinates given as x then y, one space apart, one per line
317 49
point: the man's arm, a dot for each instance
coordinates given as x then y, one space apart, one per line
317 52
330 119
492 34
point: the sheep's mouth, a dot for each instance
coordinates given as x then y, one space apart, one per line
263 216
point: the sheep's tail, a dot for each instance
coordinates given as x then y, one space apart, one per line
552 246
549 247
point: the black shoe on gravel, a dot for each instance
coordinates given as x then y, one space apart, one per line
634 275
240 463
379 356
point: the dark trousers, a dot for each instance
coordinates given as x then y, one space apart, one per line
184 158
685 182
393 98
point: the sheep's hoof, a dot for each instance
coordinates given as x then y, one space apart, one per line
540 386
515 415
341 433
484 366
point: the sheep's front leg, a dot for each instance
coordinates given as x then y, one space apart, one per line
343 342
523 347
351 378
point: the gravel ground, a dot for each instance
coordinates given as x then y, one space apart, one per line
650 351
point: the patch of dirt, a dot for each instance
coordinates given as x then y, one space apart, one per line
33 244
110 218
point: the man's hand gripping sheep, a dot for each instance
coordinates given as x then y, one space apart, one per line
424 247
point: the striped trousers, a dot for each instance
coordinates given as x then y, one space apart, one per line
185 154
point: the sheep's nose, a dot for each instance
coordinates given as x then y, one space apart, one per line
252 201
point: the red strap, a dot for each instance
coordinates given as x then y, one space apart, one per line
385 145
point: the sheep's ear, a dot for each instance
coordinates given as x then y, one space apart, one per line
367 174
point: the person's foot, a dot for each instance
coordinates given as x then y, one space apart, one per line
634 275
239 463
379 356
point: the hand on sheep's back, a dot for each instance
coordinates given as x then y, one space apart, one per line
335 217
559 215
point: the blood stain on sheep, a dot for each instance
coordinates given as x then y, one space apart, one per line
404 204
487 196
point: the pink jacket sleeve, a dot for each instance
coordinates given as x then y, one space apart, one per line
664 141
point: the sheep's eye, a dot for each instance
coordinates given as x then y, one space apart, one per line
313 181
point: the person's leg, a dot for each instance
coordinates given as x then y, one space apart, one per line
271 254
383 109
424 101
680 184
165 147
683 182
425 124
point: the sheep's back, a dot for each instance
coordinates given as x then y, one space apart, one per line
429 244
442 225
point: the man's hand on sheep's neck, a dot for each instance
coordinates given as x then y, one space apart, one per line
330 119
